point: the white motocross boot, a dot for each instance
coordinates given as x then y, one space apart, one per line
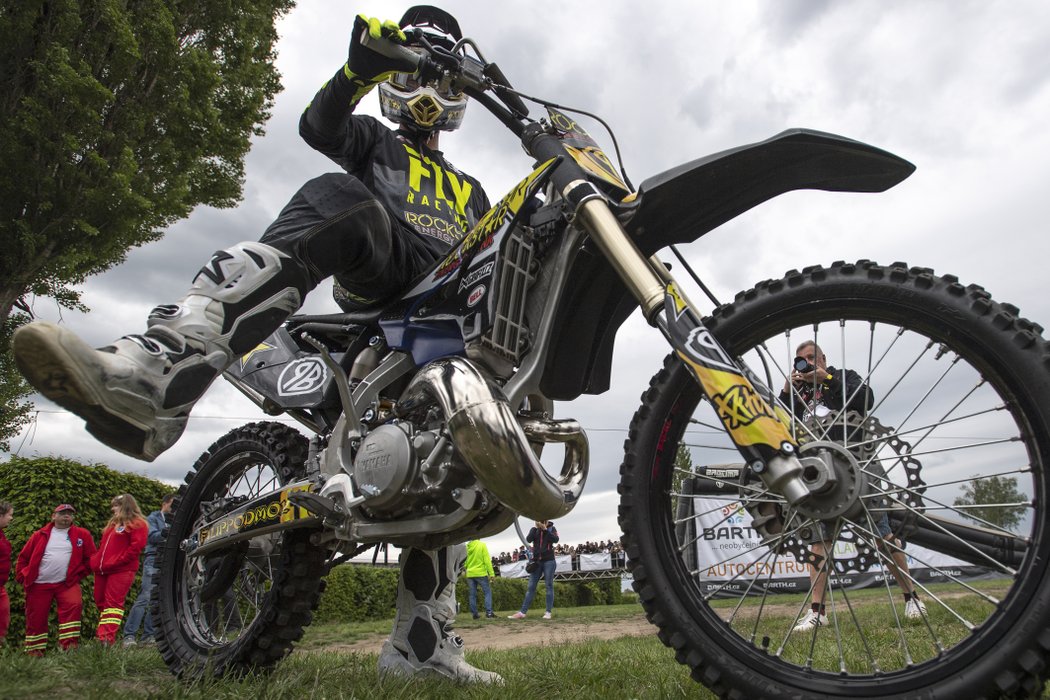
422 641
136 394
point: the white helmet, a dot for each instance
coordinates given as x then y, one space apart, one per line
433 106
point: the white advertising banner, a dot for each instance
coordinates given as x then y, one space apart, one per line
515 569
731 556
595 562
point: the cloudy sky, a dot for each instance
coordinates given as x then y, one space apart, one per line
961 89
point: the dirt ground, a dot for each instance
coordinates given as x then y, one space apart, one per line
532 631
502 633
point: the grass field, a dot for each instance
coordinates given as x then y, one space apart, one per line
633 667
623 668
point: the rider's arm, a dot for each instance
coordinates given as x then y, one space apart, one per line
326 124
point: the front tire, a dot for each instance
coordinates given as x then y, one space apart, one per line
242 608
962 396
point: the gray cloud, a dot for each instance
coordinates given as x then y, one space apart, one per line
958 88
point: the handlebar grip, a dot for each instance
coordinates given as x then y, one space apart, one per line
390 49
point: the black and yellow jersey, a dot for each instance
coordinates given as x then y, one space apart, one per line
417 185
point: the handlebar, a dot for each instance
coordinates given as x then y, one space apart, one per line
390 49
468 74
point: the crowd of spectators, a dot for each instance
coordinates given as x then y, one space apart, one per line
612 547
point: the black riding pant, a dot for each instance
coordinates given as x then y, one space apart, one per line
334 226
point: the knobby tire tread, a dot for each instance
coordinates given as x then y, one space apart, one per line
1000 674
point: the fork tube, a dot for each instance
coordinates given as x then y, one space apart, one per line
755 427
622 254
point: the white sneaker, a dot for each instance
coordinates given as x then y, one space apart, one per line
128 642
914 609
546 615
812 620
517 616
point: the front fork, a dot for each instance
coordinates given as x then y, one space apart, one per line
758 429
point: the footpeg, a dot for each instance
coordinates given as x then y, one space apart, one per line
317 505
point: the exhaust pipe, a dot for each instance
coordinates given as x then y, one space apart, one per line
494 443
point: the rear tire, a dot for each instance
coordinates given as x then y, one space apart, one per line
1005 651
243 608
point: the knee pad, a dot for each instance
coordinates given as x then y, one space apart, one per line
242 295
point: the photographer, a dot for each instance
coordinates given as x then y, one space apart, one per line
819 389
139 614
814 390
543 538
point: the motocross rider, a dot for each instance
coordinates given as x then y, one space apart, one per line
397 207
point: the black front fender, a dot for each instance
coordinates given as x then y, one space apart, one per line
679 206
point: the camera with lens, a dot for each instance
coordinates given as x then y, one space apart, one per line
802 365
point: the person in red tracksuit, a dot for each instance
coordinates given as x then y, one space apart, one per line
50 567
116 562
7 511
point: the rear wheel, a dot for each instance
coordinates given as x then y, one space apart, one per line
242 607
953 452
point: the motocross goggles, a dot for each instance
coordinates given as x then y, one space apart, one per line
432 106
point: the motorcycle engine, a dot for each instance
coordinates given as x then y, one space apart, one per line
386 464
403 471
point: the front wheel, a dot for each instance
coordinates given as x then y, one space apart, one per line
939 485
242 607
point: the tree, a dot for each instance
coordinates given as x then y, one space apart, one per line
683 467
117 118
993 490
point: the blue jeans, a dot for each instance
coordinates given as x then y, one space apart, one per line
139 614
472 593
546 568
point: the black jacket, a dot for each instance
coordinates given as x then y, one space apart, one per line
830 393
417 186
543 542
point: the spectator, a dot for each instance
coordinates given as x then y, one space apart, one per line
116 562
140 614
7 511
50 566
479 571
814 390
543 538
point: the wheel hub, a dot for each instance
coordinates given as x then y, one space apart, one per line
834 478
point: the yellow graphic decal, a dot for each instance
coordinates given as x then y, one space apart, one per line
289 511
493 219
280 509
676 296
566 124
593 160
261 347
739 407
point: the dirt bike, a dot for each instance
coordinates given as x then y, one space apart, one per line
428 415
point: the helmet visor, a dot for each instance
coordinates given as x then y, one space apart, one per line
409 82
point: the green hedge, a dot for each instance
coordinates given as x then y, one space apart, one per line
35 487
356 593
